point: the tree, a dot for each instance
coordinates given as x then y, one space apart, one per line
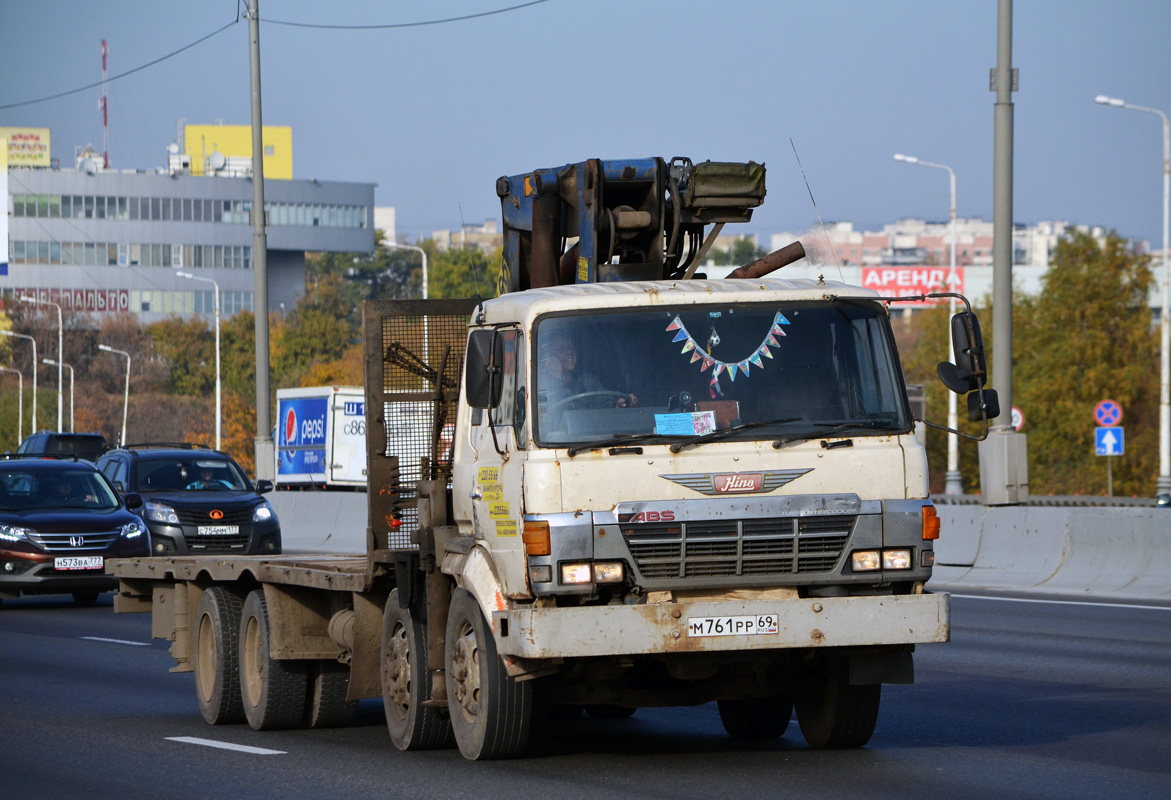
743 251
463 273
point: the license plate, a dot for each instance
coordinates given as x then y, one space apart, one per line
218 530
732 626
78 562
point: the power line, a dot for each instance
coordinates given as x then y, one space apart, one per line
403 24
123 75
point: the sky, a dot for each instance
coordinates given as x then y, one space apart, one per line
433 114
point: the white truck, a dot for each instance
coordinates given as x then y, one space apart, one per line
641 493
321 438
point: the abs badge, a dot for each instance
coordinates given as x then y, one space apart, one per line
725 483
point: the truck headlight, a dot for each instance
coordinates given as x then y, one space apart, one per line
896 559
262 512
611 572
11 533
159 512
133 529
865 560
576 573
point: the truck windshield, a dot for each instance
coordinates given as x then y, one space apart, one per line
762 371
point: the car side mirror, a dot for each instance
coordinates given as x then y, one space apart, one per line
263 486
483 379
133 500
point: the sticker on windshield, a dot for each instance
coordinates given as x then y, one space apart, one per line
693 424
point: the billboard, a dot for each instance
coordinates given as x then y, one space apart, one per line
99 300
891 281
301 426
27 147
235 141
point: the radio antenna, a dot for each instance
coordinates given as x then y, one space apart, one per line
824 232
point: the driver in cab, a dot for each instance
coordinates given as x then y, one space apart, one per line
562 381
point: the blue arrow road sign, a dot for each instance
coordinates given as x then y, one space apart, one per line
1109 441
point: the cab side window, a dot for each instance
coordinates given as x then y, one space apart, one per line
510 412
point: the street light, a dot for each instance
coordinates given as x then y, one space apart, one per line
34 343
1163 484
126 396
952 483
19 403
218 417
53 363
60 339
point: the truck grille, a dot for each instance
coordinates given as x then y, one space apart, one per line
730 548
74 542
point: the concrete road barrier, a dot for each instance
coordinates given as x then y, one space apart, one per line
321 522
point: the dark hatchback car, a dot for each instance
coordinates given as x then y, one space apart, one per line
60 523
83 445
195 500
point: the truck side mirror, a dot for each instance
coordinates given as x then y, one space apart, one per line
969 371
483 380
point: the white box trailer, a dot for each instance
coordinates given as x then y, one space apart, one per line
321 437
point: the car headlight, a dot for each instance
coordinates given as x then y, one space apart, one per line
263 512
12 533
158 512
132 529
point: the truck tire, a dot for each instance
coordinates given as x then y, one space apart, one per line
490 711
756 718
216 655
834 714
327 707
406 685
274 691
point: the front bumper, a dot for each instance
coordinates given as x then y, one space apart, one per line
28 573
665 627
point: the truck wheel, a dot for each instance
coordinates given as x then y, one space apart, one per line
274 691
834 714
756 718
490 712
405 683
216 656
329 682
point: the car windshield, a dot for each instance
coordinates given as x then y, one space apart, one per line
189 473
38 489
758 371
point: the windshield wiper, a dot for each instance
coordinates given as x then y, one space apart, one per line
626 438
830 428
720 433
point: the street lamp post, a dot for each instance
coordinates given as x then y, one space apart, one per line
952 482
1163 484
34 343
53 363
126 395
19 403
423 253
218 413
60 340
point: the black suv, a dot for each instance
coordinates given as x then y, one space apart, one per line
60 522
195 500
83 445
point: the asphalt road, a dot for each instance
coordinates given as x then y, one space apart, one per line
1030 699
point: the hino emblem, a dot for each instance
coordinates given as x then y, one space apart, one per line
717 483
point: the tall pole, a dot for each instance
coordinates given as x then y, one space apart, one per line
19 403
34 344
265 457
60 341
1163 483
953 483
423 253
126 395
218 393
51 362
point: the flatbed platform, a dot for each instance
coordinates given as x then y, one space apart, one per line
338 572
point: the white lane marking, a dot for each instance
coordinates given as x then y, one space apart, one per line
242 748
114 641
1059 602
